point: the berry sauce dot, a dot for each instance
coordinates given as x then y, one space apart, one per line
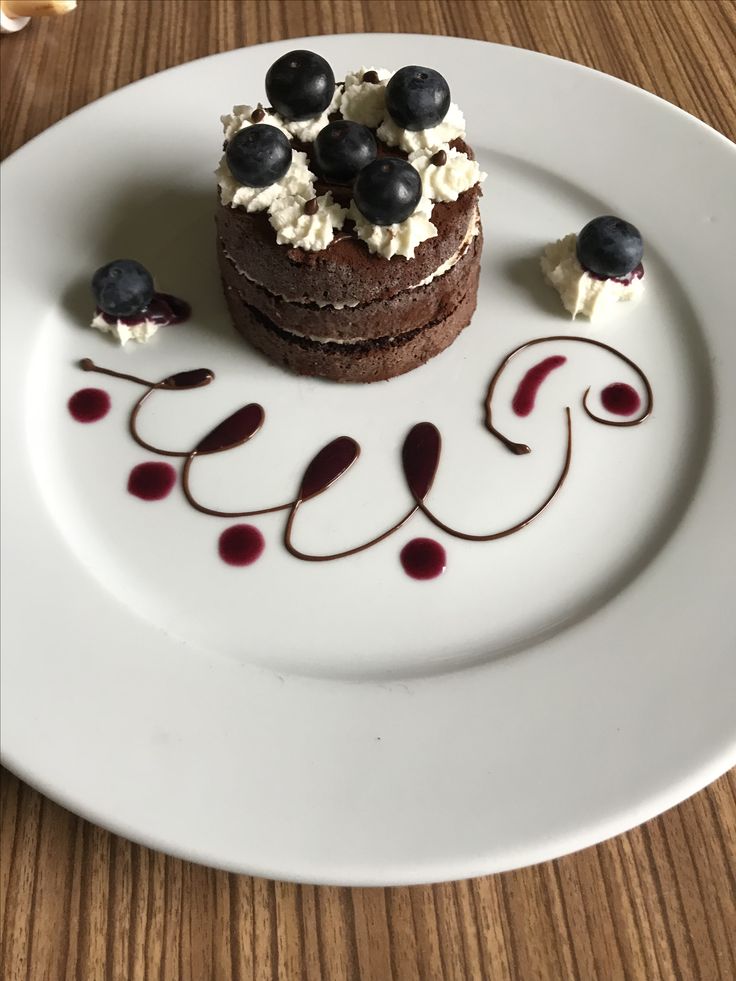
151 481
423 558
241 545
620 399
89 404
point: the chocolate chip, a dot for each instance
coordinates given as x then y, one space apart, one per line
224 145
311 207
439 159
372 78
258 114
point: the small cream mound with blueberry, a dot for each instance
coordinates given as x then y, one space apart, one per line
128 306
598 268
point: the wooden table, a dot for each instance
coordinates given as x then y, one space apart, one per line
79 903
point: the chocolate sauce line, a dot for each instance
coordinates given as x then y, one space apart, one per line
182 381
521 524
521 448
307 557
191 457
420 454
87 364
133 430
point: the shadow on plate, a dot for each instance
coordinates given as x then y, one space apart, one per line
171 230
525 274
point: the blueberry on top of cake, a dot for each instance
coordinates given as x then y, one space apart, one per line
349 236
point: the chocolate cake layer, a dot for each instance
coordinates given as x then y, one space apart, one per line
396 315
346 270
364 361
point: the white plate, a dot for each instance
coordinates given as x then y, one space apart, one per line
339 722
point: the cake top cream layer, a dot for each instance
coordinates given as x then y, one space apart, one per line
304 217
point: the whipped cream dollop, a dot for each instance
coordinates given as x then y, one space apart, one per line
452 127
401 238
445 181
365 102
242 116
581 292
298 180
304 225
123 332
307 130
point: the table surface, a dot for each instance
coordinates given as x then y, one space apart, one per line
79 903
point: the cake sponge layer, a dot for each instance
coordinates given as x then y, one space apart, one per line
346 269
399 314
358 361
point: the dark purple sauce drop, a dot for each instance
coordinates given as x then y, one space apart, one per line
241 545
423 558
195 378
151 481
637 273
236 429
420 457
89 404
330 463
526 393
164 309
620 399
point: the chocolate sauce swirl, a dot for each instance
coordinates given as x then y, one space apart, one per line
323 470
237 429
181 381
415 486
521 448
420 455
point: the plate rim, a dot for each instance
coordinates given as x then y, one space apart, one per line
648 807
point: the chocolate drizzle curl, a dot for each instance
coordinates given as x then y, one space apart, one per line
323 470
420 458
522 448
420 453
330 463
493 536
233 431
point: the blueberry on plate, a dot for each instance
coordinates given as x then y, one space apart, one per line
122 288
387 191
417 98
342 149
258 155
610 247
300 85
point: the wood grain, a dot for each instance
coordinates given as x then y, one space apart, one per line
79 904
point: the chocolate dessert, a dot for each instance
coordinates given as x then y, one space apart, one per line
349 237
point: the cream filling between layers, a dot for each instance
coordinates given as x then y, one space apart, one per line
441 270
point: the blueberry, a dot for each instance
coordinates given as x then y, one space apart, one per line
417 98
258 155
342 149
387 191
300 85
122 288
610 246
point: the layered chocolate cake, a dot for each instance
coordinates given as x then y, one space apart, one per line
349 237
